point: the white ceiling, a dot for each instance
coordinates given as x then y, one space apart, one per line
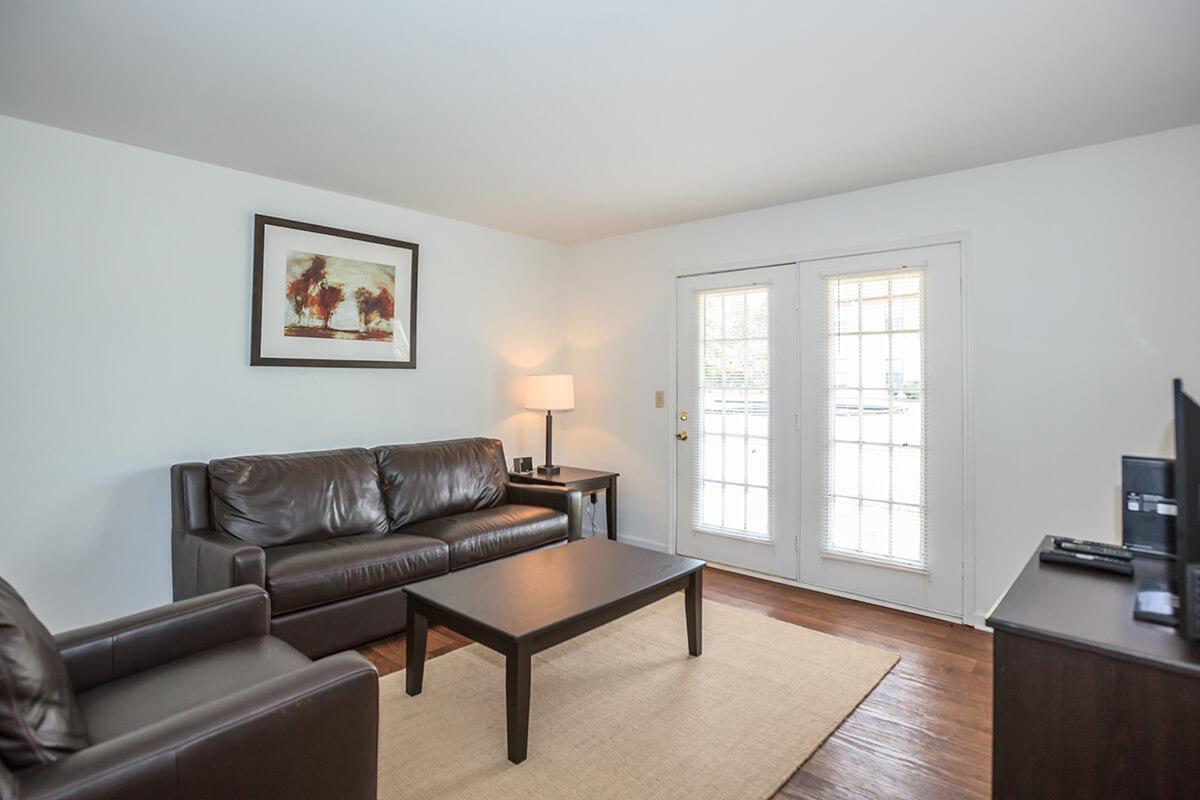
571 121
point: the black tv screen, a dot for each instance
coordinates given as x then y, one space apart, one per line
1187 495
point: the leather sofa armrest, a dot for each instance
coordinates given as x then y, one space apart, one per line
269 740
561 498
208 560
101 653
8 784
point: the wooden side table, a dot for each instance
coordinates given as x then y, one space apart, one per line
588 481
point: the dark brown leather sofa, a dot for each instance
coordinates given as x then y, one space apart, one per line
190 701
333 536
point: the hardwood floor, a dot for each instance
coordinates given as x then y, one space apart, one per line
926 730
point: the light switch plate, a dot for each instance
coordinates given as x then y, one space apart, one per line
659 399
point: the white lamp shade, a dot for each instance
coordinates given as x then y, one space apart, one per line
550 392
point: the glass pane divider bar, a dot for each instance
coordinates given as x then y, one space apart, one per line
838 334
873 500
736 483
726 372
841 292
850 388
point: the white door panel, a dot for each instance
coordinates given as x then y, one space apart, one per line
737 467
820 423
881 426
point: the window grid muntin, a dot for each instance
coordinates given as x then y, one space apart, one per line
753 391
835 316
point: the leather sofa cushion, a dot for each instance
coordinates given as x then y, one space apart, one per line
298 497
40 721
436 479
312 573
144 698
478 536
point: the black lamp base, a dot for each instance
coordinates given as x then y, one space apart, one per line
549 468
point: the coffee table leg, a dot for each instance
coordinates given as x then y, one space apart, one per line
693 602
517 667
414 649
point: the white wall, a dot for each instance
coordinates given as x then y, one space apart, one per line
126 317
125 322
1084 301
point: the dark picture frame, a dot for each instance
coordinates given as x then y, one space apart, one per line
261 223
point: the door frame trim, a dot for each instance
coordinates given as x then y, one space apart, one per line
971 613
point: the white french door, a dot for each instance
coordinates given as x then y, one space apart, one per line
881 426
819 423
737 404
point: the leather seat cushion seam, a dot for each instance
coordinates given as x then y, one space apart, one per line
310 575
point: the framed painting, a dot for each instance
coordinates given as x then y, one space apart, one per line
325 297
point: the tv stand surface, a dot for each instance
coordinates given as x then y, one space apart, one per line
1089 702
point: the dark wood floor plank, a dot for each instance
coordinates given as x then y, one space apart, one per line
926 730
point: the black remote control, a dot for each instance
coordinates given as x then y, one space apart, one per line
1117 565
1092 548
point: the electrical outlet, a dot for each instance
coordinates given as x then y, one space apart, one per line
660 399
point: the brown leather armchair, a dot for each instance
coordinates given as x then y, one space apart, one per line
196 700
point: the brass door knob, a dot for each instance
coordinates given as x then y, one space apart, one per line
681 436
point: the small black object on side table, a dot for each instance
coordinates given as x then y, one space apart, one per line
587 481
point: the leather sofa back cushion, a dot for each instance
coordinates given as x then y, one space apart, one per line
437 479
299 497
40 721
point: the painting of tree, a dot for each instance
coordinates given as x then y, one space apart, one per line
325 300
339 298
364 299
297 294
299 291
385 305
374 307
315 272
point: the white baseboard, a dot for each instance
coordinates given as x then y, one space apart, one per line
975 620
637 541
837 593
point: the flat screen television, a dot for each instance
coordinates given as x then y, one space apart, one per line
1187 495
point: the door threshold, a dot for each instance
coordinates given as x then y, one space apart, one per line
875 601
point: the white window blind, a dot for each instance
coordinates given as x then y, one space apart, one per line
732 493
875 442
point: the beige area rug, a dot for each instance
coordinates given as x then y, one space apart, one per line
623 712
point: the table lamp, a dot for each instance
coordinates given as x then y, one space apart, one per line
549 393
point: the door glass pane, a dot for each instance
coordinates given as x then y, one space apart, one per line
711 450
758 462
758 511
757 419
733 481
846 415
876 416
875 484
735 459
845 470
710 504
843 524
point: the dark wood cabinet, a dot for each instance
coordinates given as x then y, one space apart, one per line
1088 702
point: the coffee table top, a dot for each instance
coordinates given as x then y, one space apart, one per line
527 593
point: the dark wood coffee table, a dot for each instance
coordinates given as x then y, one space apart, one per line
522 605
